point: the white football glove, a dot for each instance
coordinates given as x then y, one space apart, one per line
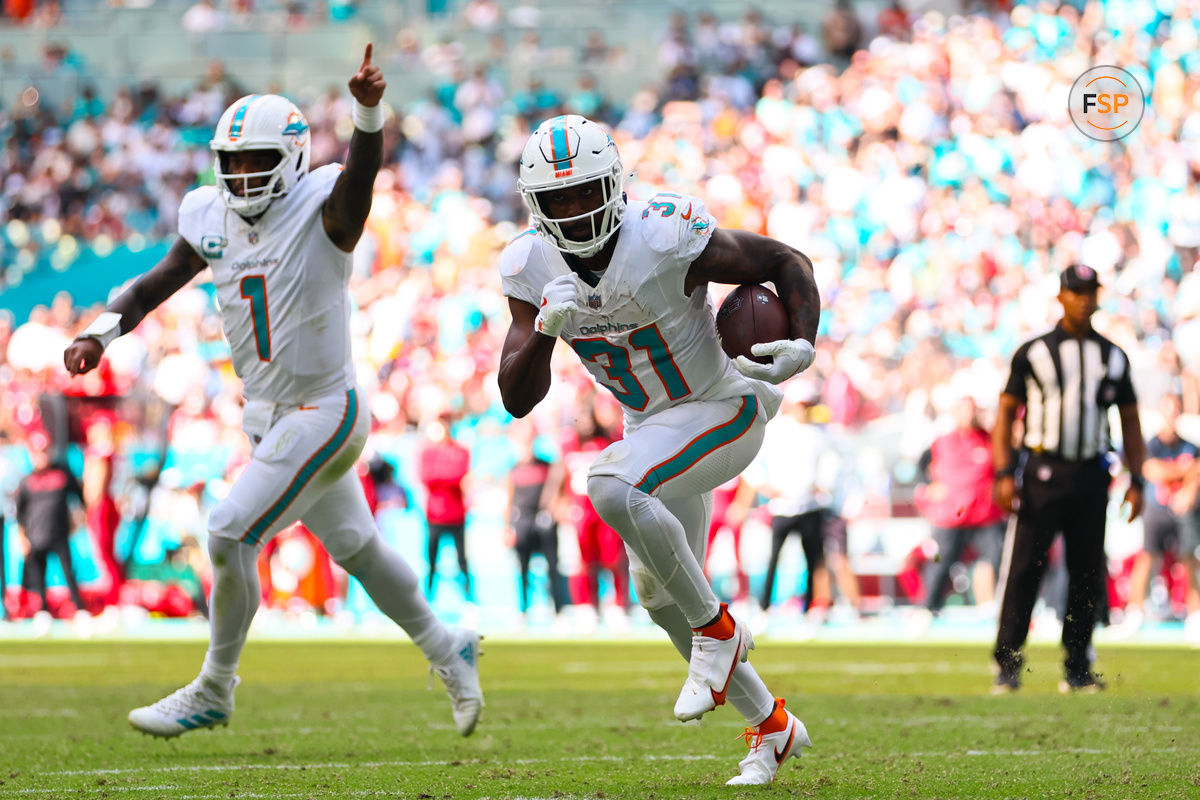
789 357
560 299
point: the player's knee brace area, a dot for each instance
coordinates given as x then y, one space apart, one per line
360 560
226 522
375 558
225 552
617 504
346 543
613 499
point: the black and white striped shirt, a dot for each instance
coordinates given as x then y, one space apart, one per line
1067 386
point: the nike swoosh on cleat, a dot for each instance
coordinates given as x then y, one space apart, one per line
787 748
719 697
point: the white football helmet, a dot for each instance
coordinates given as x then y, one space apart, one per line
261 122
566 151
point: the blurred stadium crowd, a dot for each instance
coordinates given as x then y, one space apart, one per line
927 165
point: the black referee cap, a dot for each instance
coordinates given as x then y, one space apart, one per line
1079 278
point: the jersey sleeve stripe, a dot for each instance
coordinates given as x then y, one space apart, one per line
306 473
701 446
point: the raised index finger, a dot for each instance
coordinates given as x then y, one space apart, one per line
366 57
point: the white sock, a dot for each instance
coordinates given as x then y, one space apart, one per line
747 692
395 589
660 543
234 600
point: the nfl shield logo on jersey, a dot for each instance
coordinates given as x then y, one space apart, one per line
253 237
593 301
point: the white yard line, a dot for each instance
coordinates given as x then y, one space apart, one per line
94 789
107 788
344 765
341 793
522 761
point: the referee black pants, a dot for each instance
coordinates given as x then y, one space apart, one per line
1071 497
33 576
810 527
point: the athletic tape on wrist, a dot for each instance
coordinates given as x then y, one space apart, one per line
104 328
368 119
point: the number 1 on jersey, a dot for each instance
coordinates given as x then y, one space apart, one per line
254 289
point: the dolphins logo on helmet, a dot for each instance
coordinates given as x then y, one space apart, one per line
260 122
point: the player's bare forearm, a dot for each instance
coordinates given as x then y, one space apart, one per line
349 202
147 293
164 279
798 290
524 374
735 256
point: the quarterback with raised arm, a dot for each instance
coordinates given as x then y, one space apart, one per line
278 240
624 283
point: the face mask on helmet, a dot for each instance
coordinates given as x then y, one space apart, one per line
249 175
571 180
270 136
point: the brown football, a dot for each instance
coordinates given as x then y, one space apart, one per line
749 315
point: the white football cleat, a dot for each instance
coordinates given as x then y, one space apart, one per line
768 751
460 676
191 708
710 669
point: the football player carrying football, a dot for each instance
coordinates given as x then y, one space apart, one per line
625 285
278 240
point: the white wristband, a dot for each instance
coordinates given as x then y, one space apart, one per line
368 119
104 328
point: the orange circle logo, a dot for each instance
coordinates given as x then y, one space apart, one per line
1106 103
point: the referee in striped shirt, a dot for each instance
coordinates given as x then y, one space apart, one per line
1058 481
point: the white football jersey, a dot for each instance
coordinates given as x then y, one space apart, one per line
638 334
282 289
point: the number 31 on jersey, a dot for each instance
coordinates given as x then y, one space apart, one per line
617 364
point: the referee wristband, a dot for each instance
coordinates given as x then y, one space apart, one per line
368 119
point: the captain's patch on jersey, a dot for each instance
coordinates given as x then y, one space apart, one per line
213 246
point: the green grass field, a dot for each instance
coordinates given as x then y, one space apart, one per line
580 719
